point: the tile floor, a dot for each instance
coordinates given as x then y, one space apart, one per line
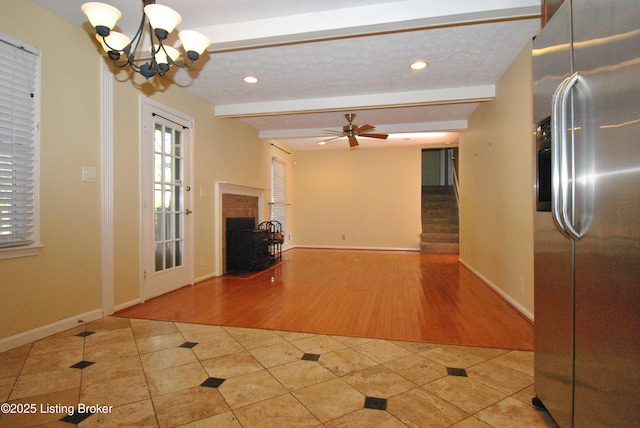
127 372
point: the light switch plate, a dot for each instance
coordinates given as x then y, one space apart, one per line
89 173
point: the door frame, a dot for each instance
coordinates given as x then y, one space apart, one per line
147 108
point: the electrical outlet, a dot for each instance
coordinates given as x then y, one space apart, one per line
88 173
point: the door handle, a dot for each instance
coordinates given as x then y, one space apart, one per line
188 211
564 175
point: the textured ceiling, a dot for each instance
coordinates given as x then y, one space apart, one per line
317 60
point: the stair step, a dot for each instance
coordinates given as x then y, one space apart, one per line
440 237
451 227
441 248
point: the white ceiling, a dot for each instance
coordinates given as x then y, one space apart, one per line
319 59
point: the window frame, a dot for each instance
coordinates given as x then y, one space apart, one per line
32 248
280 205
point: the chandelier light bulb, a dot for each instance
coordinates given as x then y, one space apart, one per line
195 42
113 42
103 17
162 18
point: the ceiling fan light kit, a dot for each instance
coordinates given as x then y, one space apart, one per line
352 131
160 21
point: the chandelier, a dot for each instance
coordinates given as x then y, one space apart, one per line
162 20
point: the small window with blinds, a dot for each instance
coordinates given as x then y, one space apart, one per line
19 148
279 192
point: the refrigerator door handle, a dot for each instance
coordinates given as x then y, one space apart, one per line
558 145
568 174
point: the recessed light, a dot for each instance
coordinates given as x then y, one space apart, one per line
418 65
250 79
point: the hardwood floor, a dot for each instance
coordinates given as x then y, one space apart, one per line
383 294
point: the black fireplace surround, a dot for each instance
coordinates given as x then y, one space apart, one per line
248 247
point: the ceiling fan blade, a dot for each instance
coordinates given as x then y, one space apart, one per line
382 136
331 139
352 141
365 128
331 131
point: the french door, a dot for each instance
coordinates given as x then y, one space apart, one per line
166 198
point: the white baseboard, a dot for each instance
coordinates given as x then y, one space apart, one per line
330 247
49 329
205 277
127 304
504 295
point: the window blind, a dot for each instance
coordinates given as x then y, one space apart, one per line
279 191
18 143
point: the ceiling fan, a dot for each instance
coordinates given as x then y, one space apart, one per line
352 131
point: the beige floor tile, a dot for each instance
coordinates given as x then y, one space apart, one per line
108 323
158 343
154 361
414 347
44 413
250 388
140 414
499 377
521 361
319 344
453 356
382 351
52 361
417 369
471 422
467 394
115 391
252 338
366 418
6 385
300 374
229 366
112 369
379 382
223 420
11 362
57 344
511 413
176 379
330 400
419 408
352 342
290 336
225 345
276 355
202 333
155 328
345 361
188 405
45 382
109 344
281 411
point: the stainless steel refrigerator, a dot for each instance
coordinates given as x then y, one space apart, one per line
586 63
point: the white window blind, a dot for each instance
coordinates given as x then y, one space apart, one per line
19 69
279 191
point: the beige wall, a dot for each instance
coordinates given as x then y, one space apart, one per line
369 196
496 187
65 278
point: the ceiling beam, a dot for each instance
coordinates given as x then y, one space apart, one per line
385 17
359 102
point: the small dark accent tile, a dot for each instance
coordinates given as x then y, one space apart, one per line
310 357
81 365
375 403
452 371
213 382
188 345
76 418
85 333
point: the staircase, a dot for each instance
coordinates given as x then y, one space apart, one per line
439 220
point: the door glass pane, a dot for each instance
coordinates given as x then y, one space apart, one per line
168 197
